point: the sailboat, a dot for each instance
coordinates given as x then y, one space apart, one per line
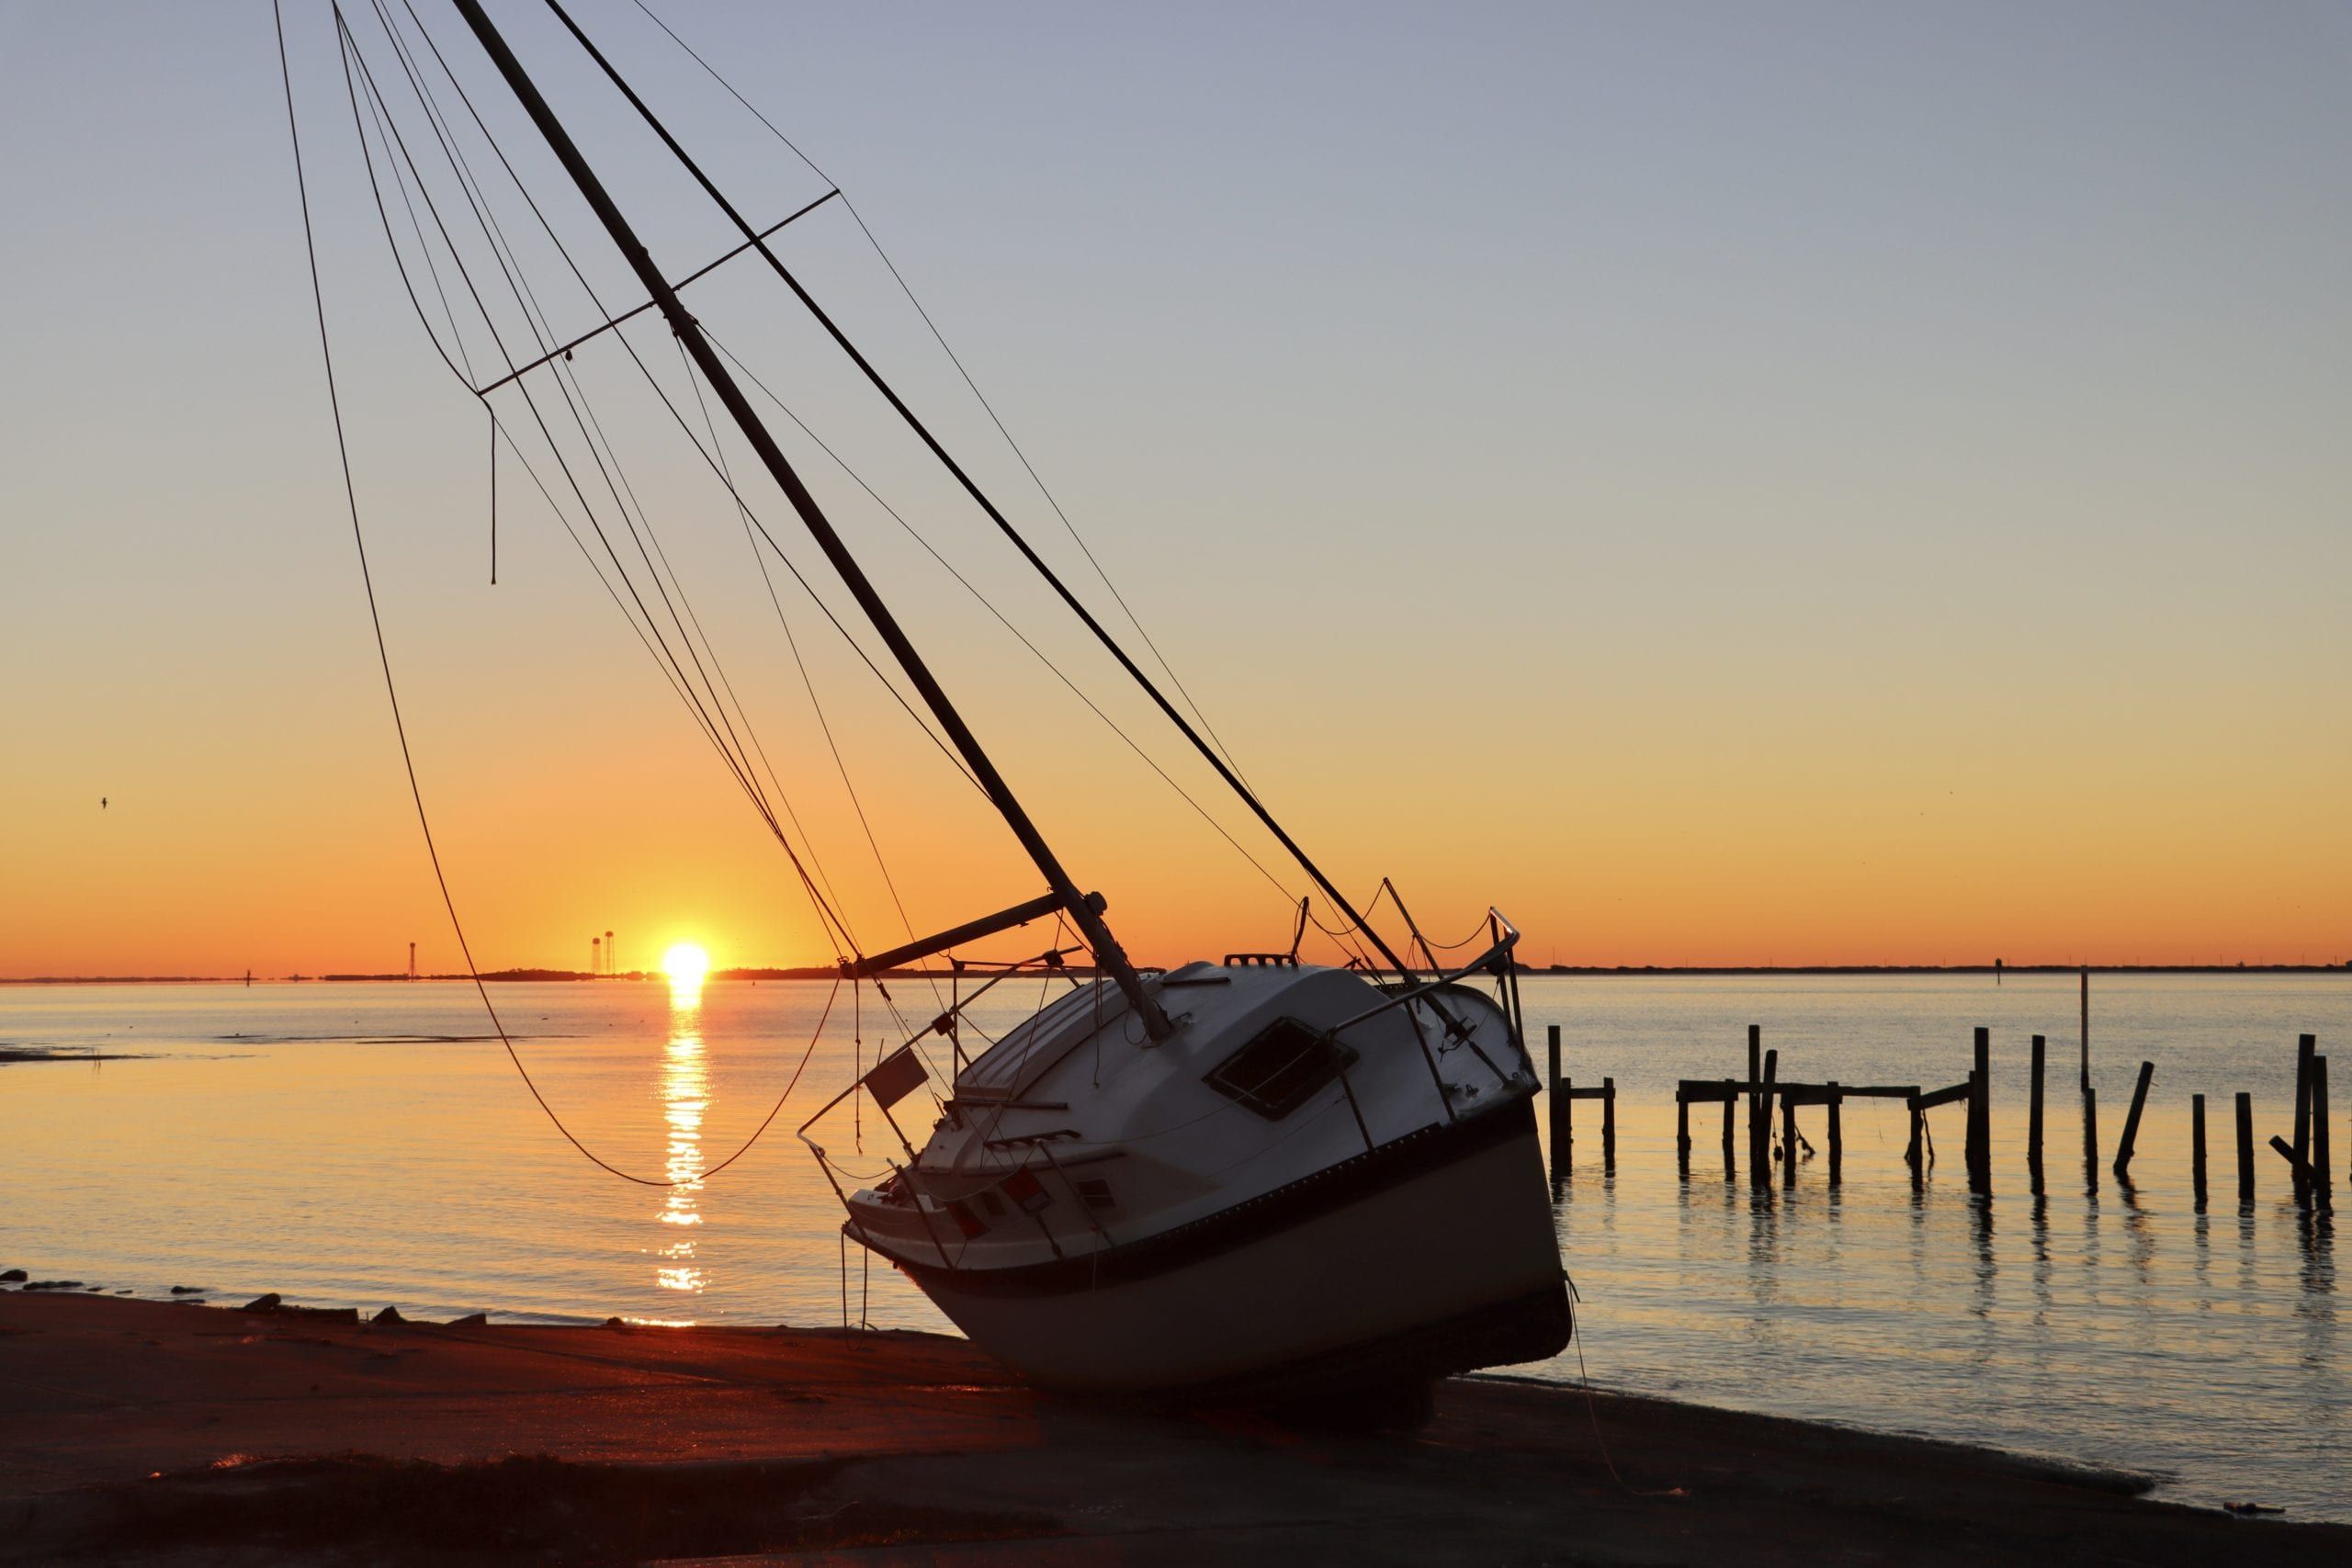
1243 1176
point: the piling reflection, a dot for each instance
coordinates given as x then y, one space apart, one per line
2315 1239
685 1097
1987 1266
2043 1295
2137 1231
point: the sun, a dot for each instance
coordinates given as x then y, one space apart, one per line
685 964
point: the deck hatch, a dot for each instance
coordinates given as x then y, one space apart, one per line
1279 1070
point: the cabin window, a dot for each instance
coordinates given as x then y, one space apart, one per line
1280 1069
1028 1193
1096 1192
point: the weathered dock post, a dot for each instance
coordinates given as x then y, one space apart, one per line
1836 1133
1731 1155
2090 1140
2131 1122
2087 1029
2323 1176
1980 1116
1609 1126
2245 1147
1755 1098
1683 1133
1559 1106
1788 1141
1972 1148
2305 1045
2196 1149
2034 1123
1913 1154
1759 1145
2295 1162
1564 1141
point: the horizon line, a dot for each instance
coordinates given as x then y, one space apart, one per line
528 974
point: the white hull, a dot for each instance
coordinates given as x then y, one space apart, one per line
1311 1182
1460 1260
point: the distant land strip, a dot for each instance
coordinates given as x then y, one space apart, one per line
827 972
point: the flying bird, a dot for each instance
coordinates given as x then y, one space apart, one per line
102 803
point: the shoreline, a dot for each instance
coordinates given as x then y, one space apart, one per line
163 1433
741 975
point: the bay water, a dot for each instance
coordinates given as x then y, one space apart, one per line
364 1144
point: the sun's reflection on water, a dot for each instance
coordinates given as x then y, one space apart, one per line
685 1096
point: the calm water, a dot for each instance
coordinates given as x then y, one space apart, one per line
288 1138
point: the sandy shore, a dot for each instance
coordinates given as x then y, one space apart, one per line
142 1432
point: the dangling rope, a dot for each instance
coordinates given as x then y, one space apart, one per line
399 726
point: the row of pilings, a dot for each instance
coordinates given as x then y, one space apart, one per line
1766 1097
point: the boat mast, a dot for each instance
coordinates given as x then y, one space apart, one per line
1249 798
1083 913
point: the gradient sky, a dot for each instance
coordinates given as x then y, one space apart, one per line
1831 483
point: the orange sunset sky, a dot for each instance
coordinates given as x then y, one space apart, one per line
1868 488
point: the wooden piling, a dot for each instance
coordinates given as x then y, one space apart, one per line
1788 1141
1559 1107
2087 1029
2197 1148
1609 1126
2295 1162
2323 1176
1972 1148
2034 1123
2245 1147
1564 1145
1913 1154
1681 1134
1759 1151
1980 1117
1731 1157
1836 1133
2304 1047
2090 1140
1756 1135
2132 1120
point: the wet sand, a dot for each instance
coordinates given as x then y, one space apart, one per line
144 1432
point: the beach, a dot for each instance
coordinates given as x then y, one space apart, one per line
153 1433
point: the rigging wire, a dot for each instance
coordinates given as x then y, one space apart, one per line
725 480
824 726
970 487
1004 525
738 763
581 419
1022 638
578 402
714 714
392 689
952 358
547 227
609 465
